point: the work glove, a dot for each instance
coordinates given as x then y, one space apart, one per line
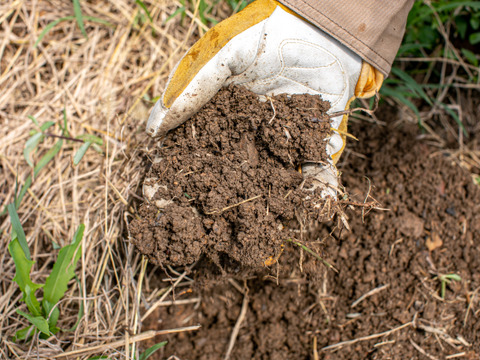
270 50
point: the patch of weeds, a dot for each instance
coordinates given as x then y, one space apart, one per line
37 136
42 315
78 17
433 31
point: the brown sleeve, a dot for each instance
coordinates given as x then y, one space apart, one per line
371 28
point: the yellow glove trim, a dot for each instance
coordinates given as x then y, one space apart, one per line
342 130
212 42
369 82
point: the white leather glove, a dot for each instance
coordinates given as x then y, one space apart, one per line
269 50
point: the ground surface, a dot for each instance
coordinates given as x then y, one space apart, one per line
388 272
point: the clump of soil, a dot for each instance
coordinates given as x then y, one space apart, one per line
227 182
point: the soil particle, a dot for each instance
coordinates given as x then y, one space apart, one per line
384 261
227 182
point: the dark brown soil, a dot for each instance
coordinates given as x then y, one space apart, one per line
393 259
227 181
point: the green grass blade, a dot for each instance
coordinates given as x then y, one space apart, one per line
46 125
144 7
151 350
18 232
385 90
454 116
33 119
412 84
311 252
98 20
23 334
79 17
40 165
31 145
50 26
64 269
38 321
48 157
23 267
180 10
81 152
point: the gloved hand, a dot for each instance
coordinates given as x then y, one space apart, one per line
270 50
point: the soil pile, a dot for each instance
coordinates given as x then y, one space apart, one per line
227 182
386 300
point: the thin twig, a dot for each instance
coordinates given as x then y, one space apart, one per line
232 206
140 337
160 301
370 293
311 252
237 326
369 337
420 350
351 111
64 137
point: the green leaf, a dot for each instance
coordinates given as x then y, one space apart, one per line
38 321
91 138
64 127
48 157
453 277
46 125
31 145
50 26
474 38
52 314
81 152
474 23
68 18
18 232
40 165
387 91
143 6
63 270
23 334
180 10
23 267
151 350
470 56
412 84
454 115
78 15
462 26
33 119
32 303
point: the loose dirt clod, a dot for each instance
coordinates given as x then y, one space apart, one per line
227 182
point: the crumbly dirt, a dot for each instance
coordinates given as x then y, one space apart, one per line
227 182
388 280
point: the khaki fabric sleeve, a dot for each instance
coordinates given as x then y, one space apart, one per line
373 29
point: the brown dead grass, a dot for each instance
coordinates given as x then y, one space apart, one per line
101 83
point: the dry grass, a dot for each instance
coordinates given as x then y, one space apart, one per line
100 82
